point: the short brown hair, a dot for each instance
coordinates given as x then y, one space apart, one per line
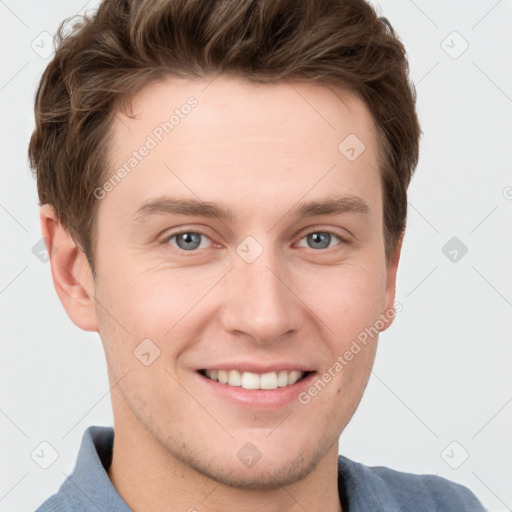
107 57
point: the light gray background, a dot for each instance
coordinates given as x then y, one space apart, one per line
443 369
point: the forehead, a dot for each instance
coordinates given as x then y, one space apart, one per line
225 138
237 106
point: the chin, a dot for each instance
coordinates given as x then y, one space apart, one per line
263 475
272 470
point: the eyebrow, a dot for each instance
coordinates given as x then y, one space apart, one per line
193 207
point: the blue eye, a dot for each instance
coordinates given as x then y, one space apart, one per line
320 239
187 240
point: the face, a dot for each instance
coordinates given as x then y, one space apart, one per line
272 292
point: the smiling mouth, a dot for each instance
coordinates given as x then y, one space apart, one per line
251 380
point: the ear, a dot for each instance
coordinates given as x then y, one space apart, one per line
71 273
389 297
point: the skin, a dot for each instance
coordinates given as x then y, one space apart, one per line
259 150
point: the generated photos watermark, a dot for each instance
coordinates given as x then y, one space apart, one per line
154 138
355 348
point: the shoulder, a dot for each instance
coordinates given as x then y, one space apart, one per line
408 491
88 487
55 503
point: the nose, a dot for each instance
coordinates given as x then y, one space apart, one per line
259 299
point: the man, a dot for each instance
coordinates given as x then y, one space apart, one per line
223 190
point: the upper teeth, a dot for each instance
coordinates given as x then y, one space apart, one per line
250 380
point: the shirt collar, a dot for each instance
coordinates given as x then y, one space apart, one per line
89 487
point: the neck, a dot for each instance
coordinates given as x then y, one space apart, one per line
151 479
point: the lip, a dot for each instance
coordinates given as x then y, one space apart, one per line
250 366
256 399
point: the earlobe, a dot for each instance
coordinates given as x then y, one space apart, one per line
71 273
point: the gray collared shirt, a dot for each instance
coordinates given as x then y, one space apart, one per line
361 488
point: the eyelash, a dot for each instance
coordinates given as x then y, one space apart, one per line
169 237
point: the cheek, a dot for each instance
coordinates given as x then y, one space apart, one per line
347 300
163 304
157 304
